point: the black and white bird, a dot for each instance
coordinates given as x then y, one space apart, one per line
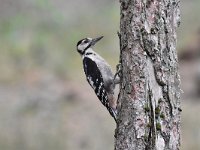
98 74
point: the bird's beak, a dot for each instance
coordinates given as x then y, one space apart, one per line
94 41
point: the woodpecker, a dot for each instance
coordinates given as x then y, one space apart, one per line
98 74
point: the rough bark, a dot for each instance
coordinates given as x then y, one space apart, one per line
149 99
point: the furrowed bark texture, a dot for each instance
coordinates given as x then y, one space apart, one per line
149 99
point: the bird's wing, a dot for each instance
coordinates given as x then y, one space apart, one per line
95 79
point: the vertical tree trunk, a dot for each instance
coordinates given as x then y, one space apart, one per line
149 99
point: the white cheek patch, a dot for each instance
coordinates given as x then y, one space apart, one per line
82 46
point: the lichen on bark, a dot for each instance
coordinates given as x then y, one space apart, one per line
149 99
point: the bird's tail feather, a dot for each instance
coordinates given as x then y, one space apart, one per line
113 113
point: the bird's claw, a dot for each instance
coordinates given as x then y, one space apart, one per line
118 74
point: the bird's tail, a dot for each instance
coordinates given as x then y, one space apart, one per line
113 113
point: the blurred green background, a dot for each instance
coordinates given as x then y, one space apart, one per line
45 102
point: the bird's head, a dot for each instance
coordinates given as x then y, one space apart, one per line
86 43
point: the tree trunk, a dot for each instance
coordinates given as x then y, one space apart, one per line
149 99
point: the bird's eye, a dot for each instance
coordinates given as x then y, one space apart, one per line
85 41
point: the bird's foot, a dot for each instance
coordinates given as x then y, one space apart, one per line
118 74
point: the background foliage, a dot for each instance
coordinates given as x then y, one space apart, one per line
45 102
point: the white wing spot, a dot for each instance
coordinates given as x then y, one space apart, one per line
91 82
99 89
